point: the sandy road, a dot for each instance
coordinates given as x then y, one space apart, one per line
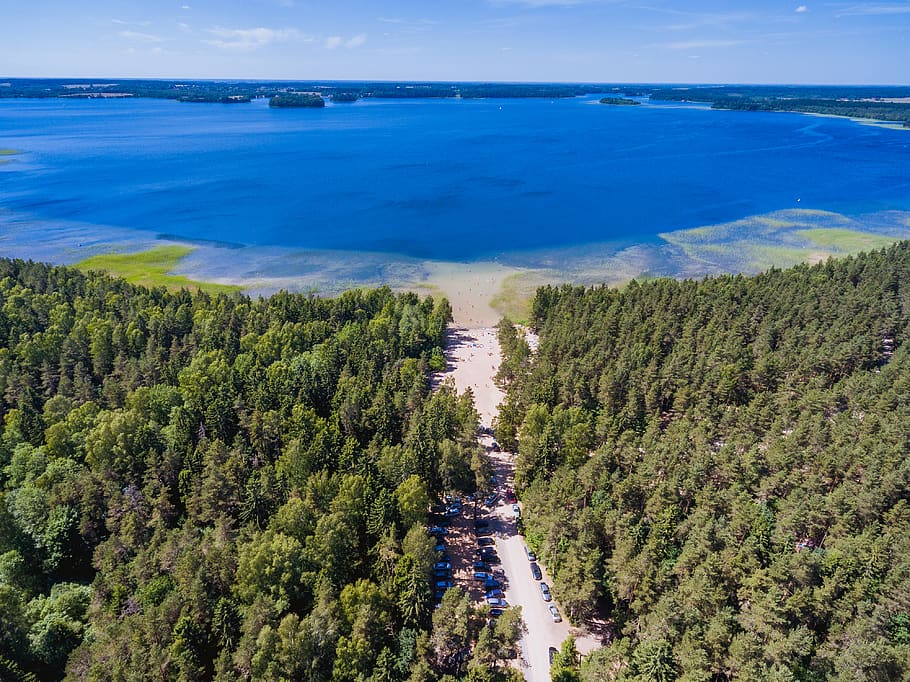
474 357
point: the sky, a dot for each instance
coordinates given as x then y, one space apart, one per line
655 41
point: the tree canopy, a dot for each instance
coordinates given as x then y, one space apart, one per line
197 486
720 468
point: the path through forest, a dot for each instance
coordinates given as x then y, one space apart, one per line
473 358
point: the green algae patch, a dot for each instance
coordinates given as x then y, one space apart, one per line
153 268
846 241
513 299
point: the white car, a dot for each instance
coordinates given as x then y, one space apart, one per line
516 510
554 614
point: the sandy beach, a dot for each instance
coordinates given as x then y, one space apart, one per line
470 288
473 358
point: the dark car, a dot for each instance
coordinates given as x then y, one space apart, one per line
483 575
443 573
481 523
495 592
495 613
483 532
552 651
535 571
486 542
440 547
442 565
491 500
491 584
443 584
437 531
481 566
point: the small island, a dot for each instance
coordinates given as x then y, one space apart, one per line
296 100
619 101
345 97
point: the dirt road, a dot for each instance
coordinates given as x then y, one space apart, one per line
474 357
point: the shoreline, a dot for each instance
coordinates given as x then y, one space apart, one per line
482 291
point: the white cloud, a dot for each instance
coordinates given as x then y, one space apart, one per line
138 37
250 38
801 9
867 10
553 3
698 44
334 42
184 7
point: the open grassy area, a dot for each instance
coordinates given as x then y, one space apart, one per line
152 268
513 300
847 241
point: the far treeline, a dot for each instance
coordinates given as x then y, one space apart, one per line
720 469
856 102
233 92
201 487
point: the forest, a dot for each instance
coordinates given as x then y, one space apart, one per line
296 100
716 471
212 487
883 103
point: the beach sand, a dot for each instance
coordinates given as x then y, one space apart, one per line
470 288
473 358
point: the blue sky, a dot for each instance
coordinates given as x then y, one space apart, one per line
751 41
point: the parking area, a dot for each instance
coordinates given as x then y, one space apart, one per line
467 536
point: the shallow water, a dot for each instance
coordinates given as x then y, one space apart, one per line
431 179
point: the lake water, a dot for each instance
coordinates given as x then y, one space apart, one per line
433 179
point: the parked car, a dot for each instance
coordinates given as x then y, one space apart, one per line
482 575
443 574
491 584
495 613
495 592
437 531
481 566
516 510
488 554
491 500
483 532
443 584
552 651
554 614
481 523
531 556
440 547
545 591
510 496
535 571
439 565
497 601
495 446
486 542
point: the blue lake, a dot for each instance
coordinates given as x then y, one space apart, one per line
413 178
